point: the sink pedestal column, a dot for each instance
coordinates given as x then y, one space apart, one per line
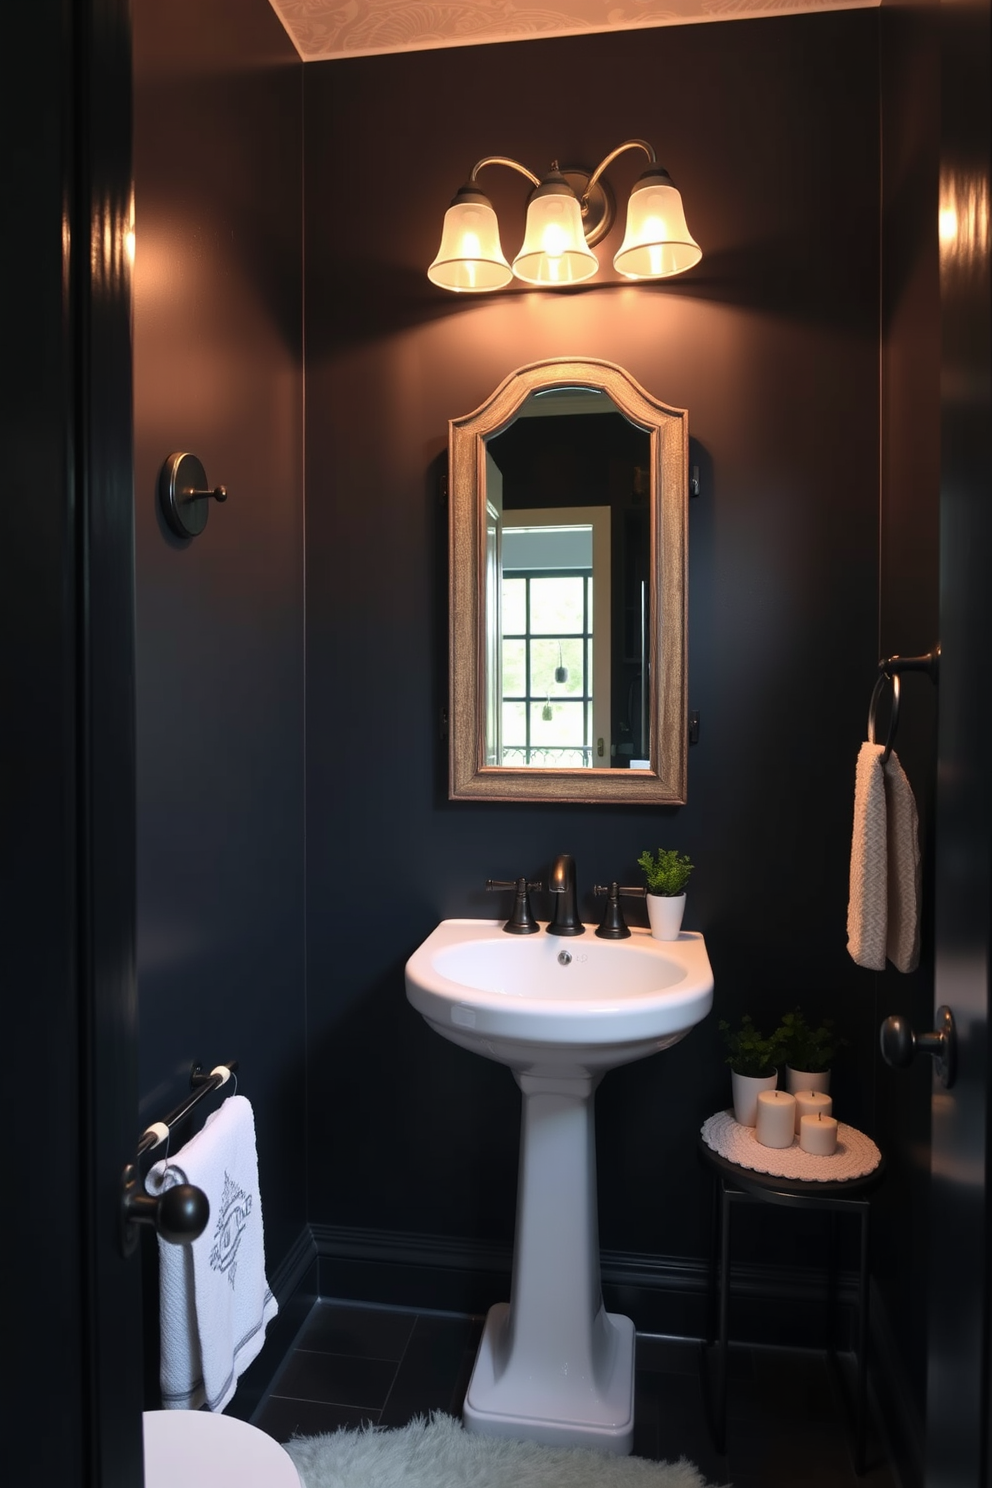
553 1365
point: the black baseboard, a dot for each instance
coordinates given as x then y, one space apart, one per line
670 1295
294 1286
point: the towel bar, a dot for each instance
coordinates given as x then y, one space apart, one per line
181 1213
889 670
200 1085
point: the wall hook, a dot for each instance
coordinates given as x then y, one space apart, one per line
185 495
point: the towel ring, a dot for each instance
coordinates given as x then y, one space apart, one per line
884 677
888 671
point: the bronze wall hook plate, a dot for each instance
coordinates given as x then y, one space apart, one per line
185 495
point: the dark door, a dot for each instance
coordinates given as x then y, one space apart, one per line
72 1403
958 1379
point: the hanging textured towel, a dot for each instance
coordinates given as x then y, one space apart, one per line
214 1300
902 940
867 907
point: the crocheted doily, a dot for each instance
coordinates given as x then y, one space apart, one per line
856 1154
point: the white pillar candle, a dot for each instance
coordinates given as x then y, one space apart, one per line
812 1103
818 1134
776 1120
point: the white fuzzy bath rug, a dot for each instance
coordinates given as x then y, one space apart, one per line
439 1453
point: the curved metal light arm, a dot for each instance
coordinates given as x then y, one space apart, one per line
632 144
503 160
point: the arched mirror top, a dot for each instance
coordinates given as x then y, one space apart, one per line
567 586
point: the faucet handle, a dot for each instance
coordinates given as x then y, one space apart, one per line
521 921
614 926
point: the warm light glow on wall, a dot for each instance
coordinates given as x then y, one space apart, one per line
963 221
129 231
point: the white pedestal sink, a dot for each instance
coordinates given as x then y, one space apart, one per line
554 1366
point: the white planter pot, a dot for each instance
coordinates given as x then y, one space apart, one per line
806 1080
665 915
746 1089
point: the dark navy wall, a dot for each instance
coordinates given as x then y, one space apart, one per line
908 623
217 353
771 131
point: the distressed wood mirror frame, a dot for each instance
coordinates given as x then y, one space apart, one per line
470 778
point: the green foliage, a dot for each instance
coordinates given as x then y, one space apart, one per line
665 872
750 1052
805 1047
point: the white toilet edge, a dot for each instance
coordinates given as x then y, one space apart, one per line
201 1450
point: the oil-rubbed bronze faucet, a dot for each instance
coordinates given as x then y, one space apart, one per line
561 882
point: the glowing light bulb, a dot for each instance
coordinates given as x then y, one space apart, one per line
554 240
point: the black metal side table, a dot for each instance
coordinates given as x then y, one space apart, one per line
738 1185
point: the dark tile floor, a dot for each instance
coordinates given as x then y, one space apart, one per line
786 1424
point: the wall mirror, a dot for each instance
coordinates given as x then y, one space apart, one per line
567 676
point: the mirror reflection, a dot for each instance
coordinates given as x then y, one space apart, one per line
567 602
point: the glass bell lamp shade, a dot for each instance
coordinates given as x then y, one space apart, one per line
554 251
657 242
470 259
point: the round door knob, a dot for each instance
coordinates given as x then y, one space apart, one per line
899 1044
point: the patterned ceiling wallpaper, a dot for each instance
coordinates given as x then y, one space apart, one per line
354 28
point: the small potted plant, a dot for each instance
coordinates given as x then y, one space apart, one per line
665 875
809 1051
754 1061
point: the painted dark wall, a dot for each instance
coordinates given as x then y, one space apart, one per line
909 624
771 131
218 371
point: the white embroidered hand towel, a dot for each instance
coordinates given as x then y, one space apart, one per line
867 907
215 1303
902 941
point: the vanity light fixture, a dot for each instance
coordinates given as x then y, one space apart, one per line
568 213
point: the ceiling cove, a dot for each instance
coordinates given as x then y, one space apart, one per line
325 29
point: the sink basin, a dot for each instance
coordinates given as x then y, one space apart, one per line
553 1365
550 1000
